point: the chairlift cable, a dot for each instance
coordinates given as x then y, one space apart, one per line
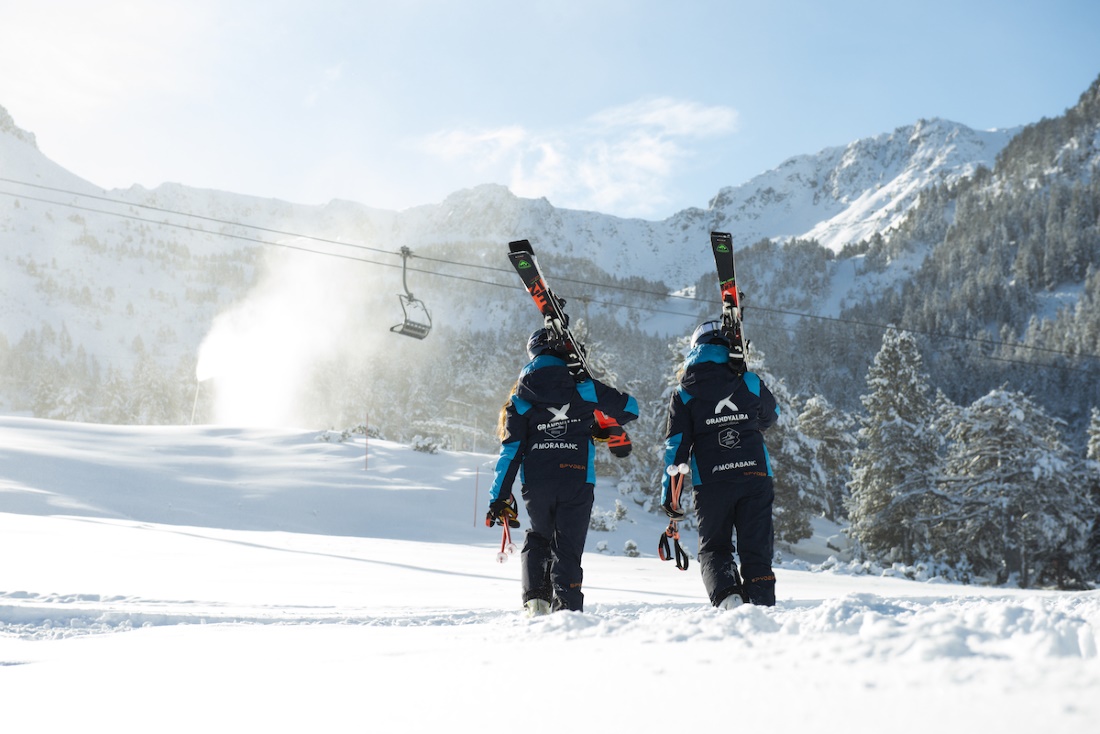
651 309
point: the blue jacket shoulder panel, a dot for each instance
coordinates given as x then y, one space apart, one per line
540 362
587 389
714 353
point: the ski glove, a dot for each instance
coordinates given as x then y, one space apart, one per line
619 444
606 430
674 514
501 511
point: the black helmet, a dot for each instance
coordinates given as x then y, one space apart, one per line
709 332
540 343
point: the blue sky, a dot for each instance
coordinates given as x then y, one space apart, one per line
634 108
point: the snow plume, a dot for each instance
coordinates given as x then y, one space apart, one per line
261 355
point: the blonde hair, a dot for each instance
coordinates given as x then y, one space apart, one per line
501 421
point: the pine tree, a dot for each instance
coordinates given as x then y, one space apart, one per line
117 399
799 494
894 468
1092 475
833 434
1019 511
156 396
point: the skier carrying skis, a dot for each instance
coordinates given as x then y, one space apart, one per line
718 417
546 437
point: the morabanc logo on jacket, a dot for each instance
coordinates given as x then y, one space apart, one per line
554 445
734 465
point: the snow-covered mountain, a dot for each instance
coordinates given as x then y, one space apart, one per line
838 196
109 267
849 193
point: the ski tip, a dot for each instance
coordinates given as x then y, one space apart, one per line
520 246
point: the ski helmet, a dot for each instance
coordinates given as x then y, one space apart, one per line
539 343
709 332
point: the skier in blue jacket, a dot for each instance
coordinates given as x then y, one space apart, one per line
546 438
717 418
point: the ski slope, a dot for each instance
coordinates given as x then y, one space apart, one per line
183 579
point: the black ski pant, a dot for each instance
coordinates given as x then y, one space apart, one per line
745 508
551 555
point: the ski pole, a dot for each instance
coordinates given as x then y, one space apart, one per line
507 547
676 474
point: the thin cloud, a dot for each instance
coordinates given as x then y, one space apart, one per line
622 158
669 117
329 78
482 149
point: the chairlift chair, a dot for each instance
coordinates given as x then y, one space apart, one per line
417 322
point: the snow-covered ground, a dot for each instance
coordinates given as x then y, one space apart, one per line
253 580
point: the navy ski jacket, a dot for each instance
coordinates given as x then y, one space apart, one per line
548 427
717 419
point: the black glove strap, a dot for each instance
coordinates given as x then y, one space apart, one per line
664 548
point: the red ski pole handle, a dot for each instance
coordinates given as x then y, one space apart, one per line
676 474
507 547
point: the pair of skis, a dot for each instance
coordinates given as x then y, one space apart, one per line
721 243
522 256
